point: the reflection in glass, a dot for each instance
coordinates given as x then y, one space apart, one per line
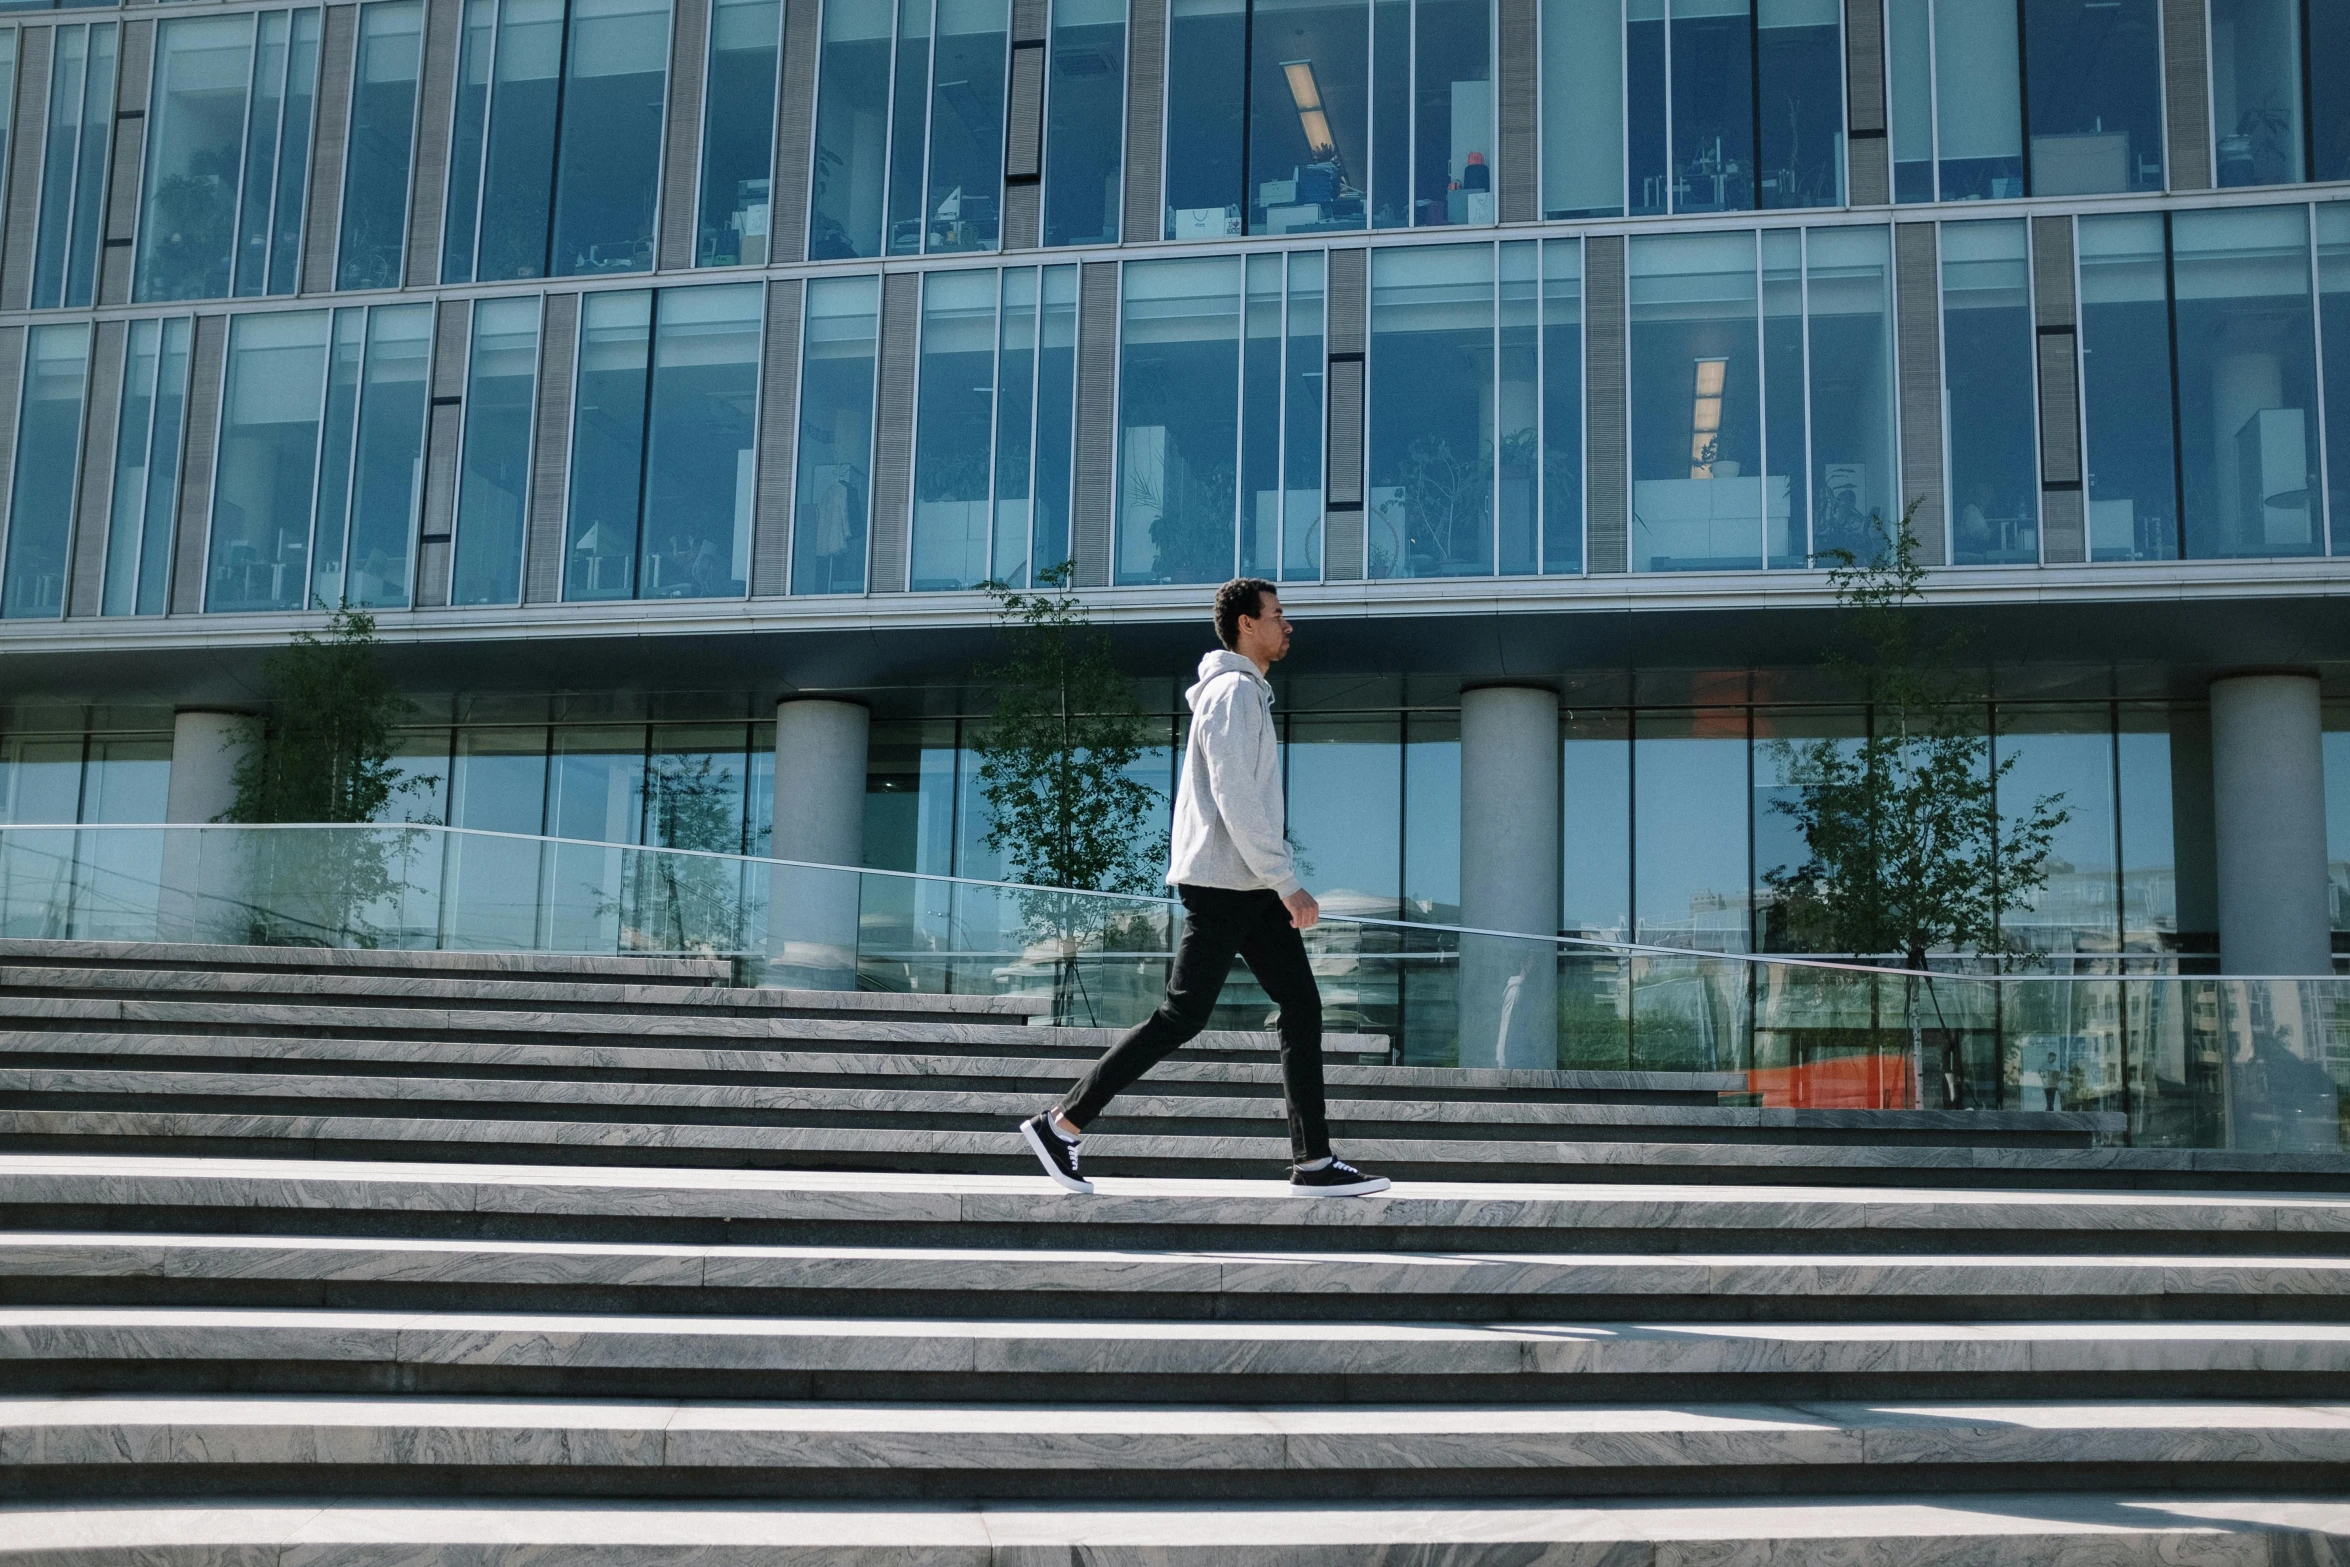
1712 83
1301 462
738 132
1453 154
2247 377
1786 742
1799 64
1698 490
954 426
1056 409
1595 780
2064 756
1085 123
608 165
1179 407
2156 889
1308 115
42 487
608 445
1429 507
2329 93
367 566
1562 405
1955 100
1689 817
2333 283
1582 109
1206 154
1517 491
267 468
852 129
2256 77
2125 389
1848 286
1432 817
147 467
1345 784
2095 69
831 503
1785 365
1990 394
1260 437
493 482
383 135
73 168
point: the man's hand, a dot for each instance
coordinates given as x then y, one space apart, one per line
1304 912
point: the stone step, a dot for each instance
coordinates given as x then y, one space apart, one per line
1209 1068
362 960
2128 1528
99 1445
115 1268
744 1207
184 1350
1139 1113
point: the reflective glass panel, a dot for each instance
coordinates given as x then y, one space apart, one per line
1595 882
195 148
608 169
1712 51
41 489
1990 392
73 169
1583 109
831 505
1786 359
1698 492
518 162
1909 96
909 114
1517 487
469 140
966 181
1648 179
493 485
383 137
1345 781
1428 510
852 129
1562 405
337 449
1453 155
267 467
1309 115
2095 69
700 462
695 790
147 467
2247 368
954 431
1085 123
1848 287
2256 76
387 469
608 445
272 51
2333 282
1789 746
40 779
2156 890
1432 817
1261 379
1056 408
2063 756
1689 816
738 132
2125 389
1799 68
1015 419
126 779
1391 114
1302 420
1206 154
1179 412
2329 93
1978 101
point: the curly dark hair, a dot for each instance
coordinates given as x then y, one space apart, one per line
1241 596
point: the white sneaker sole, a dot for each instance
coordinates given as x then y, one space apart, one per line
1377 1183
1029 1135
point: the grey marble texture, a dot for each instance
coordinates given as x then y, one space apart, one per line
19 949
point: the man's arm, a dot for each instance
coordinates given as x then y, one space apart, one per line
1244 779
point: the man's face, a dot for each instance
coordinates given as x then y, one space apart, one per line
1265 635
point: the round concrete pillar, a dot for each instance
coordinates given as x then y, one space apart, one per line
205 750
2268 808
1509 875
820 821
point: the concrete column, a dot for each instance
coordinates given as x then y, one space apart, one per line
1509 875
2269 825
819 820
205 750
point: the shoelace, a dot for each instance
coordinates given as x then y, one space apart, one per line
1072 1148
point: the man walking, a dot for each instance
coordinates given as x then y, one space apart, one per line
1230 863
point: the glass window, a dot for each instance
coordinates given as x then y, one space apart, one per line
1206 152
2095 74
1085 123
1345 781
738 132
493 481
73 166
1848 289
498 783
1689 815
2064 755
1432 817
1990 395
1261 380
1786 359
2247 377
2150 872
147 467
2337 783
383 137
7 88
126 779
1308 115
608 445
1698 491
1799 72
1056 408
1562 405
1431 415
556 147
1710 52
367 566
1785 740
2125 389
954 524
1595 787
2329 93
1955 100
1517 480
228 153
1179 420
2256 77
48 459
2333 283
694 787
1302 421
1583 109
832 503
913 105
267 469
1452 108
40 779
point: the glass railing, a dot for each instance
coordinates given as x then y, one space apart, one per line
2181 1062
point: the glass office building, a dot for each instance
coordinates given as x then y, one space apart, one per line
644 364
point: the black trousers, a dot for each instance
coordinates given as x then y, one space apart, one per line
1223 924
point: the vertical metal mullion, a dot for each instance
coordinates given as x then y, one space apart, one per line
2121 924
1240 426
555 205
2039 446
1411 96
1541 409
1494 338
1623 97
1942 355
1754 122
1762 402
326 401
1281 414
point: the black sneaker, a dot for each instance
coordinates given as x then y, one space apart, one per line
1335 1179
1057 1154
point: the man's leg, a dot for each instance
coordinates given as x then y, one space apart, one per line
1276 954
1211 935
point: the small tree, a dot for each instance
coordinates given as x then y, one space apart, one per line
1906 848
1056 763
325 756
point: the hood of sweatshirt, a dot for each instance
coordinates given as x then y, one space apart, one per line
1223 661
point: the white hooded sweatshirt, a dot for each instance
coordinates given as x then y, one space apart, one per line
1230 827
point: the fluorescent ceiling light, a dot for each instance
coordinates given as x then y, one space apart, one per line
1306 93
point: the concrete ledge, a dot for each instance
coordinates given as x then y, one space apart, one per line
709 971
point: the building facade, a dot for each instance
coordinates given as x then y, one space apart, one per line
643 365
